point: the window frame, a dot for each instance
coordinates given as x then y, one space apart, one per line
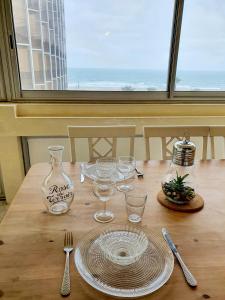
12 91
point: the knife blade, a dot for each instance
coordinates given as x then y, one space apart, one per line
187 274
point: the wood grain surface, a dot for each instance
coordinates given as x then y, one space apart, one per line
31 240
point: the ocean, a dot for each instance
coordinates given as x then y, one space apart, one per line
94 79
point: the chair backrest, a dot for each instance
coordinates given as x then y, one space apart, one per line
95 134
216 131
169 135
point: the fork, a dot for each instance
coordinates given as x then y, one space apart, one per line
68 248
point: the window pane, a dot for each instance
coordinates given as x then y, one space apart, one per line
38 67
35 29
50 15
45 33
33 4
201 61
20 22
96 44
44 10
47 68
118 45
25 67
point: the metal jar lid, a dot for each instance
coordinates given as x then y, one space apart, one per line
184 153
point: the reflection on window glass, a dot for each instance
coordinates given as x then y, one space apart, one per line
53 66
50 15
201 60
47 68
35 29
96 44
39 86
44 10
33 4
45 33
38 67
21 22
25 67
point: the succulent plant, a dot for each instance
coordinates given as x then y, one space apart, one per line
177 191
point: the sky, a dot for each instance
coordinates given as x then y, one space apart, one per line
135 34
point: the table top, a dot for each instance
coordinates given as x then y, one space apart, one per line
31 240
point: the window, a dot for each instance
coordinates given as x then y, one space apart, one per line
114 50
95 45
2 87
201 61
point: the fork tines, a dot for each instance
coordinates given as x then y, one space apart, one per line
68 239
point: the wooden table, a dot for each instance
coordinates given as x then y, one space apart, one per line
31 241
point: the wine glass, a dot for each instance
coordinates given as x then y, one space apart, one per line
104 188
126 166
105 167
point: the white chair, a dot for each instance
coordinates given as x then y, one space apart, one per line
216 131
169 135
95 134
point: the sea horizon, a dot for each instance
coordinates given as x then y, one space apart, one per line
114 79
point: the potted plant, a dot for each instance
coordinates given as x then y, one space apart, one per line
177 190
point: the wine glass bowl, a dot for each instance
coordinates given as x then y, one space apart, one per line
104 188
105 167
126 166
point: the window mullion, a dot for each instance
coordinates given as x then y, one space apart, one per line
174 46
8 52
2 82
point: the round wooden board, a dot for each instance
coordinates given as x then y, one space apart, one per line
194 205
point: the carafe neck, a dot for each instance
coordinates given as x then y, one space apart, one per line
56 158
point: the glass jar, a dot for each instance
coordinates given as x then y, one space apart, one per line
178 184
57 188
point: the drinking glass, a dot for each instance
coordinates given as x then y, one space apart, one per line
105 167
126 166
104 188
135 204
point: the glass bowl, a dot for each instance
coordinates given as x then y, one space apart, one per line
123 246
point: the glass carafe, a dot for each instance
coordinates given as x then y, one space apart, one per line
57 188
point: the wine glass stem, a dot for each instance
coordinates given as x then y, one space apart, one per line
104 207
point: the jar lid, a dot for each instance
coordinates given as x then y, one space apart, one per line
184 153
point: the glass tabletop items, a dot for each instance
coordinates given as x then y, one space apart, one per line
126 166
104 188
123 260
123 247
105 167
135 204
90 171
57 188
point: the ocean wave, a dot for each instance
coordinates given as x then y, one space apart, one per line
112 85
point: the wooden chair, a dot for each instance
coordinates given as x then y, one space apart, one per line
216 131
169 135
97 133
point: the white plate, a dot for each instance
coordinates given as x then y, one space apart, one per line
89 170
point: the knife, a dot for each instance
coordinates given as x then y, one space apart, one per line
187 274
